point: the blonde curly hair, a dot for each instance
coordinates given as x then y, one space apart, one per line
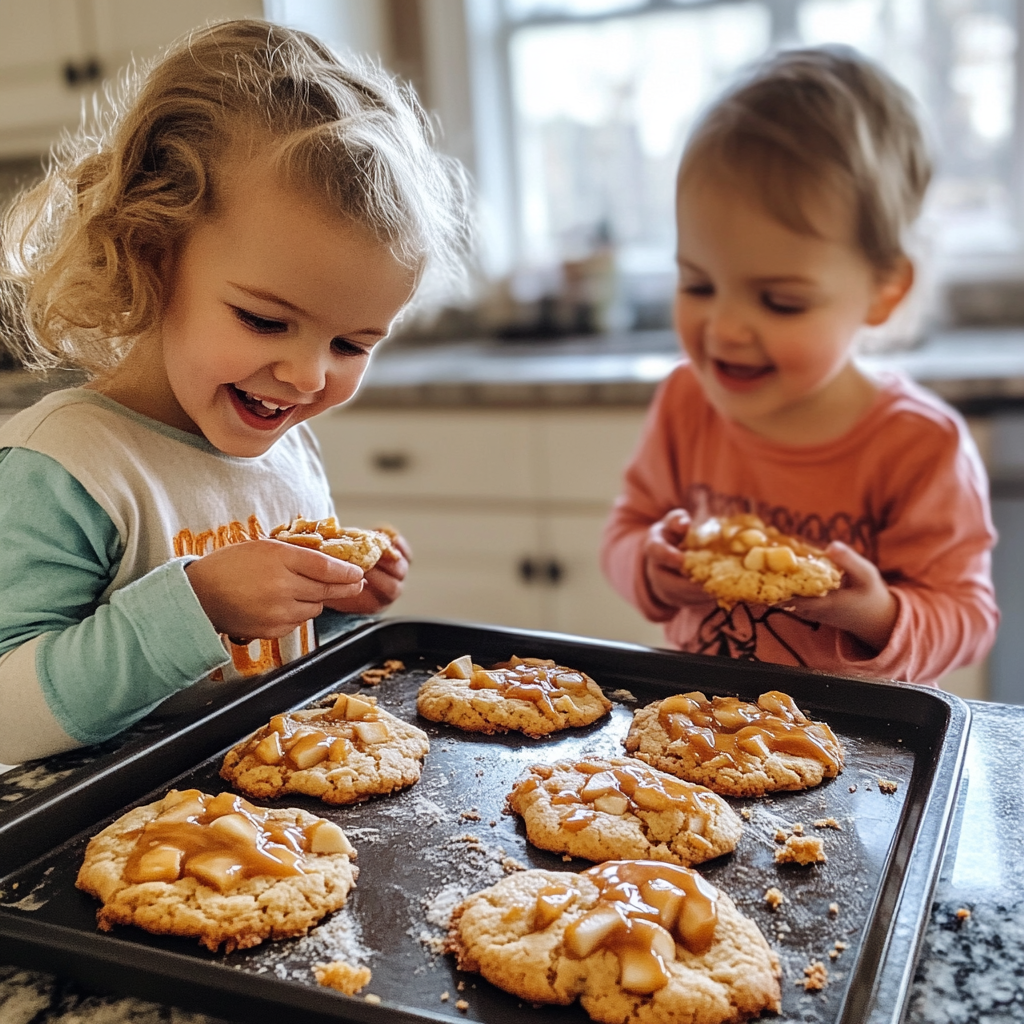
82 250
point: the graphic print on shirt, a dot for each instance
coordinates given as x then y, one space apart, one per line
249 656
741 631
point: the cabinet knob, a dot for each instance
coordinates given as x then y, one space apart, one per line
82 73
548 571
390 462
553 572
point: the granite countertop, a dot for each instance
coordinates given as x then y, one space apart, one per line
975 369
970 971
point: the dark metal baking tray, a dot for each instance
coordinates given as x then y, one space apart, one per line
422 848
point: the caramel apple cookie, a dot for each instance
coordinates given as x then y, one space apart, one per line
530 695
638 942
364 548
617 808
734 747
218 869
739 558
341 754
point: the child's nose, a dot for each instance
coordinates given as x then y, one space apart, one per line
727 324
305 371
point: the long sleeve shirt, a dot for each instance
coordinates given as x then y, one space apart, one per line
904 487
102 510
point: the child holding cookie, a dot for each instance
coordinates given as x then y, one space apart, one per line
794 196
222 255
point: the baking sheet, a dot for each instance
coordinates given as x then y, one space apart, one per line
422 849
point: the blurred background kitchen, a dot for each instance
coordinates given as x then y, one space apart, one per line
492 429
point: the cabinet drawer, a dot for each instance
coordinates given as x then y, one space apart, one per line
427 454
583 454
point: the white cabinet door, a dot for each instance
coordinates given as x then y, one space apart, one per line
37 40
437 455
583 452
466 564
141 28
583 601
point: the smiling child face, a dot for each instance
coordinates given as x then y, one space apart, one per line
768 315
272 310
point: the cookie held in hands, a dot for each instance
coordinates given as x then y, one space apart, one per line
218 869
638 942
341 755
617 808
530 695
734 747
740 559
364 548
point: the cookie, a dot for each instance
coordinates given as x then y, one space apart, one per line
617 808
341 755
218 869
364 548
738 558
529 695
734 747
638 942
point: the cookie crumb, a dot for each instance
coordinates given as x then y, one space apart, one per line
375 676
566 858
815 977
492 823
461 986
371 998
342 977
510 864
622 695
963 914
774 898
798 829
801 850
828 823
780 835
853 788
445 997
887 786
462 1006
833 910
473 815
745 814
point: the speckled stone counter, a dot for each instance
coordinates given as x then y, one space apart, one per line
976 370
971 970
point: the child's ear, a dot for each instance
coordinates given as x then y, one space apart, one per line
892 288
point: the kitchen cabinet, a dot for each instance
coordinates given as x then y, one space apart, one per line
54 54
503 509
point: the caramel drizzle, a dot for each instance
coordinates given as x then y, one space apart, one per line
638 788
741 732
305 738
533 679
644 908
246 846
735 535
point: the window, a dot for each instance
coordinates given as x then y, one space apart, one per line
596 97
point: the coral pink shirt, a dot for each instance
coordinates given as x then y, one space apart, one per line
905 487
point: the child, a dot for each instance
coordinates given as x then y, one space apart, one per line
222 257
793 197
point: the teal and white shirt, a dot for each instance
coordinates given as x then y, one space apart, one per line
102 508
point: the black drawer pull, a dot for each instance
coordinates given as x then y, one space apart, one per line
390 462
549 571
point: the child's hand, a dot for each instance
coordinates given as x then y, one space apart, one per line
265 588
383 583
863 605
663 562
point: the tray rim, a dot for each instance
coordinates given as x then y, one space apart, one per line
30 942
